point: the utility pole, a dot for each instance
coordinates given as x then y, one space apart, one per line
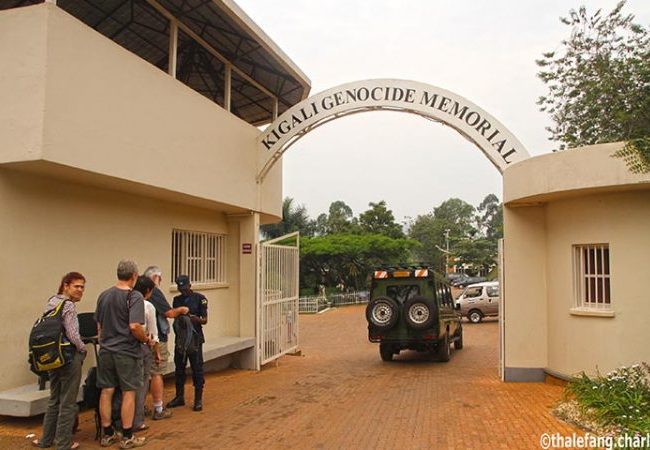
447 252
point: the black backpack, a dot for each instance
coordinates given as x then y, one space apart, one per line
48 348
91 394
187 339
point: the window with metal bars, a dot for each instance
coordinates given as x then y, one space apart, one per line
200 255
591 276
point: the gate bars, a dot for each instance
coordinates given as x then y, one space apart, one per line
278 292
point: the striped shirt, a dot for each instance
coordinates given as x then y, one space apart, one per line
70 321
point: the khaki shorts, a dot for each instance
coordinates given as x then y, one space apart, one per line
160 368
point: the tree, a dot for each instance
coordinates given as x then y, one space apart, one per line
294 218
347 258
340 218
380 220
599 81
429 232
473 233
490 218
320 225
458 216
478 253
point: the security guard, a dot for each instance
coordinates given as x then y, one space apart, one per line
198 314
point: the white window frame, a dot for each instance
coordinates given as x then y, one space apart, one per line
592 262
200 255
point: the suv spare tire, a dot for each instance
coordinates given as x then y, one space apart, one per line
420 312
382 313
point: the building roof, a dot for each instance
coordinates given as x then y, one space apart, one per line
601 168
260 69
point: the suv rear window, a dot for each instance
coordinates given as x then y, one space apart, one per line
402 292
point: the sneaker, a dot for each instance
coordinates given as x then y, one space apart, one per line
107 441
163 414
132 442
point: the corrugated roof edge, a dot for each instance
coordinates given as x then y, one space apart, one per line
238 15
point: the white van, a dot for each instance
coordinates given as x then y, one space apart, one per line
479 300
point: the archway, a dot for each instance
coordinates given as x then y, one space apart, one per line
498 144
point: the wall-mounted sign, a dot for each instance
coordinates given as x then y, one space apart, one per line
497 143
247 249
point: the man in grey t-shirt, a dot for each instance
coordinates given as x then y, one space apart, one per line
119 316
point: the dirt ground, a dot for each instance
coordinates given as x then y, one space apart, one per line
338 394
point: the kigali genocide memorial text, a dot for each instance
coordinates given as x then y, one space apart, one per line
387 96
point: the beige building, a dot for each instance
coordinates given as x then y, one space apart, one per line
128 133
132 131
576 252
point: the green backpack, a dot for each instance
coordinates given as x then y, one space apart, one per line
48 350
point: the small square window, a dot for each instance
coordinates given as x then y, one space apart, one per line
202 256
591 276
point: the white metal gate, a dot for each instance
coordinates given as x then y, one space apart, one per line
278 297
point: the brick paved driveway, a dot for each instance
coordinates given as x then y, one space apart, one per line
340 395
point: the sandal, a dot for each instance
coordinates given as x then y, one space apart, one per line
142 427
39 444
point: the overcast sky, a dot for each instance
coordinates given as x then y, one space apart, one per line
483 51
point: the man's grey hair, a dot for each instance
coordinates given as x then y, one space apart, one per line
152 271
125 269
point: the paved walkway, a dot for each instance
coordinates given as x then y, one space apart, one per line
340 395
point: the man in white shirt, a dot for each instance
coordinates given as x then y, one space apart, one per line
164 311
150 352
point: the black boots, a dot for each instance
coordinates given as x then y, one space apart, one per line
179 400
198 399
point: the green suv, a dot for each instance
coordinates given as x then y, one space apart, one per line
411 307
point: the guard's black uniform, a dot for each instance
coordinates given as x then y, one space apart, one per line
198 306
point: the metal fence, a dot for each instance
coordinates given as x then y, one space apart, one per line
349 298
313 305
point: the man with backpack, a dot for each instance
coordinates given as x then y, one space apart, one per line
120 316
189 342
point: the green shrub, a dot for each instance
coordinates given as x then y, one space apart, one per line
621 399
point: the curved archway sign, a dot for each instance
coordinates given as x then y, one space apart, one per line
499 145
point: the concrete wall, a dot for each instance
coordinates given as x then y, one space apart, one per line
48 227
577 343
552 202
73 97
22 84
524 300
